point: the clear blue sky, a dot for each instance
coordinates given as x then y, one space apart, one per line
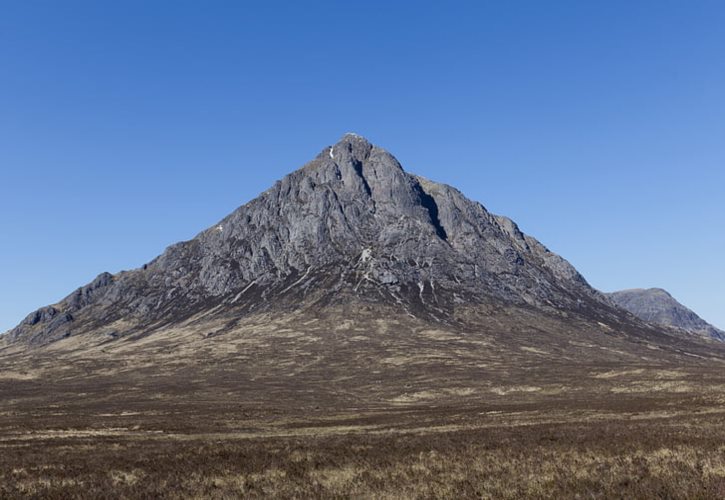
598 126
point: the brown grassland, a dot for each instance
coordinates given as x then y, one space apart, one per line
421 415
674 449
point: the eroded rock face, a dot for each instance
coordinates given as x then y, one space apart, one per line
351 225
657 306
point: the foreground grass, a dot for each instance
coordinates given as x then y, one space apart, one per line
663 457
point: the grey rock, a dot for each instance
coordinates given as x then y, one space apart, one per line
350 226
42 315
657 306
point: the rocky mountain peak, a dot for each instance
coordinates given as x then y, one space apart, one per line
365 170
351 226
351 147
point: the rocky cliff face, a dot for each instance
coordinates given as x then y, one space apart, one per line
350 226
657 306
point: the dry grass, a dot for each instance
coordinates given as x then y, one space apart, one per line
621 458
377 408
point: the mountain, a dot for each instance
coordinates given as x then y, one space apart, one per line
656 305
350 239
349 282
351 225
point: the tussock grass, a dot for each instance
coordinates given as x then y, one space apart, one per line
678 457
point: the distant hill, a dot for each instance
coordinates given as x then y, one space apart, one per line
656 305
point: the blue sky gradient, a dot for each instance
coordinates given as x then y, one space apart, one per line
598 126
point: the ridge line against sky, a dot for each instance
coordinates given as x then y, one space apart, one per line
596 127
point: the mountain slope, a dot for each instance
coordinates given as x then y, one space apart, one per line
351 225
657 306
